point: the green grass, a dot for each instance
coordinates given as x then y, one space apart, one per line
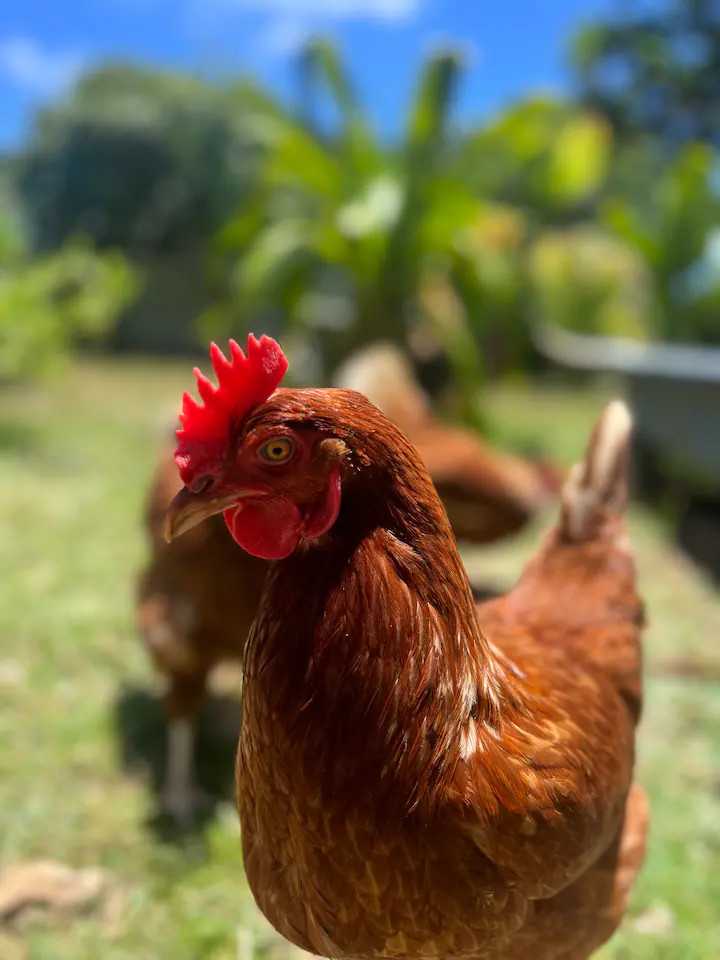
78 697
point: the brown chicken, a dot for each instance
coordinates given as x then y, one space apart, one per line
487 494
417 777
195 603
198 596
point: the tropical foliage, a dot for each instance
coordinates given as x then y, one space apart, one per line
150 162
51 302
137 158
345 240
598 214
673 225
654 69
428 243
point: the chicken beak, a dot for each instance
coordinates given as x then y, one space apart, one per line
188 509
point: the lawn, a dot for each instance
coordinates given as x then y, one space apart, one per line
80 723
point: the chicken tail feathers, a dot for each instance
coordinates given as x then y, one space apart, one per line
597 488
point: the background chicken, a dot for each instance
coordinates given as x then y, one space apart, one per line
417 778
198 596
488 494
196 601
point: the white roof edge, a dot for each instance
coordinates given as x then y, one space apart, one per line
620 355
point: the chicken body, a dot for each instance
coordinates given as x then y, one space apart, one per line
421 778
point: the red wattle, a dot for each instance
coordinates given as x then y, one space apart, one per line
272 527
269 528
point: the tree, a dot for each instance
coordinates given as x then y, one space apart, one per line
137 159
543 156
673 225
585 279
655 72
656 76
148 162
541 163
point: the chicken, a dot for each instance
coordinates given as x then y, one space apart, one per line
197 597
487 494
418 777
196 600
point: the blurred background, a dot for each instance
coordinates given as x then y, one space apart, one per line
524 201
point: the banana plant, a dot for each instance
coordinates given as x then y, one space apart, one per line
346 239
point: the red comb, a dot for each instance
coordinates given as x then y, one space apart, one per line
243 382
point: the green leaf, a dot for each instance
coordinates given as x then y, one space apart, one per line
433 99
579 158
320 60
376 210
262 267
48 304
591 282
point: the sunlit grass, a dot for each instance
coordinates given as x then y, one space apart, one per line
74 460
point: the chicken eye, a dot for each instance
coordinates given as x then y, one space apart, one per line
277 450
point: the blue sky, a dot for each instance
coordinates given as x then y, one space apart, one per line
512 46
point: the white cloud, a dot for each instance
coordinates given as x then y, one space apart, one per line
390 10
38 70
